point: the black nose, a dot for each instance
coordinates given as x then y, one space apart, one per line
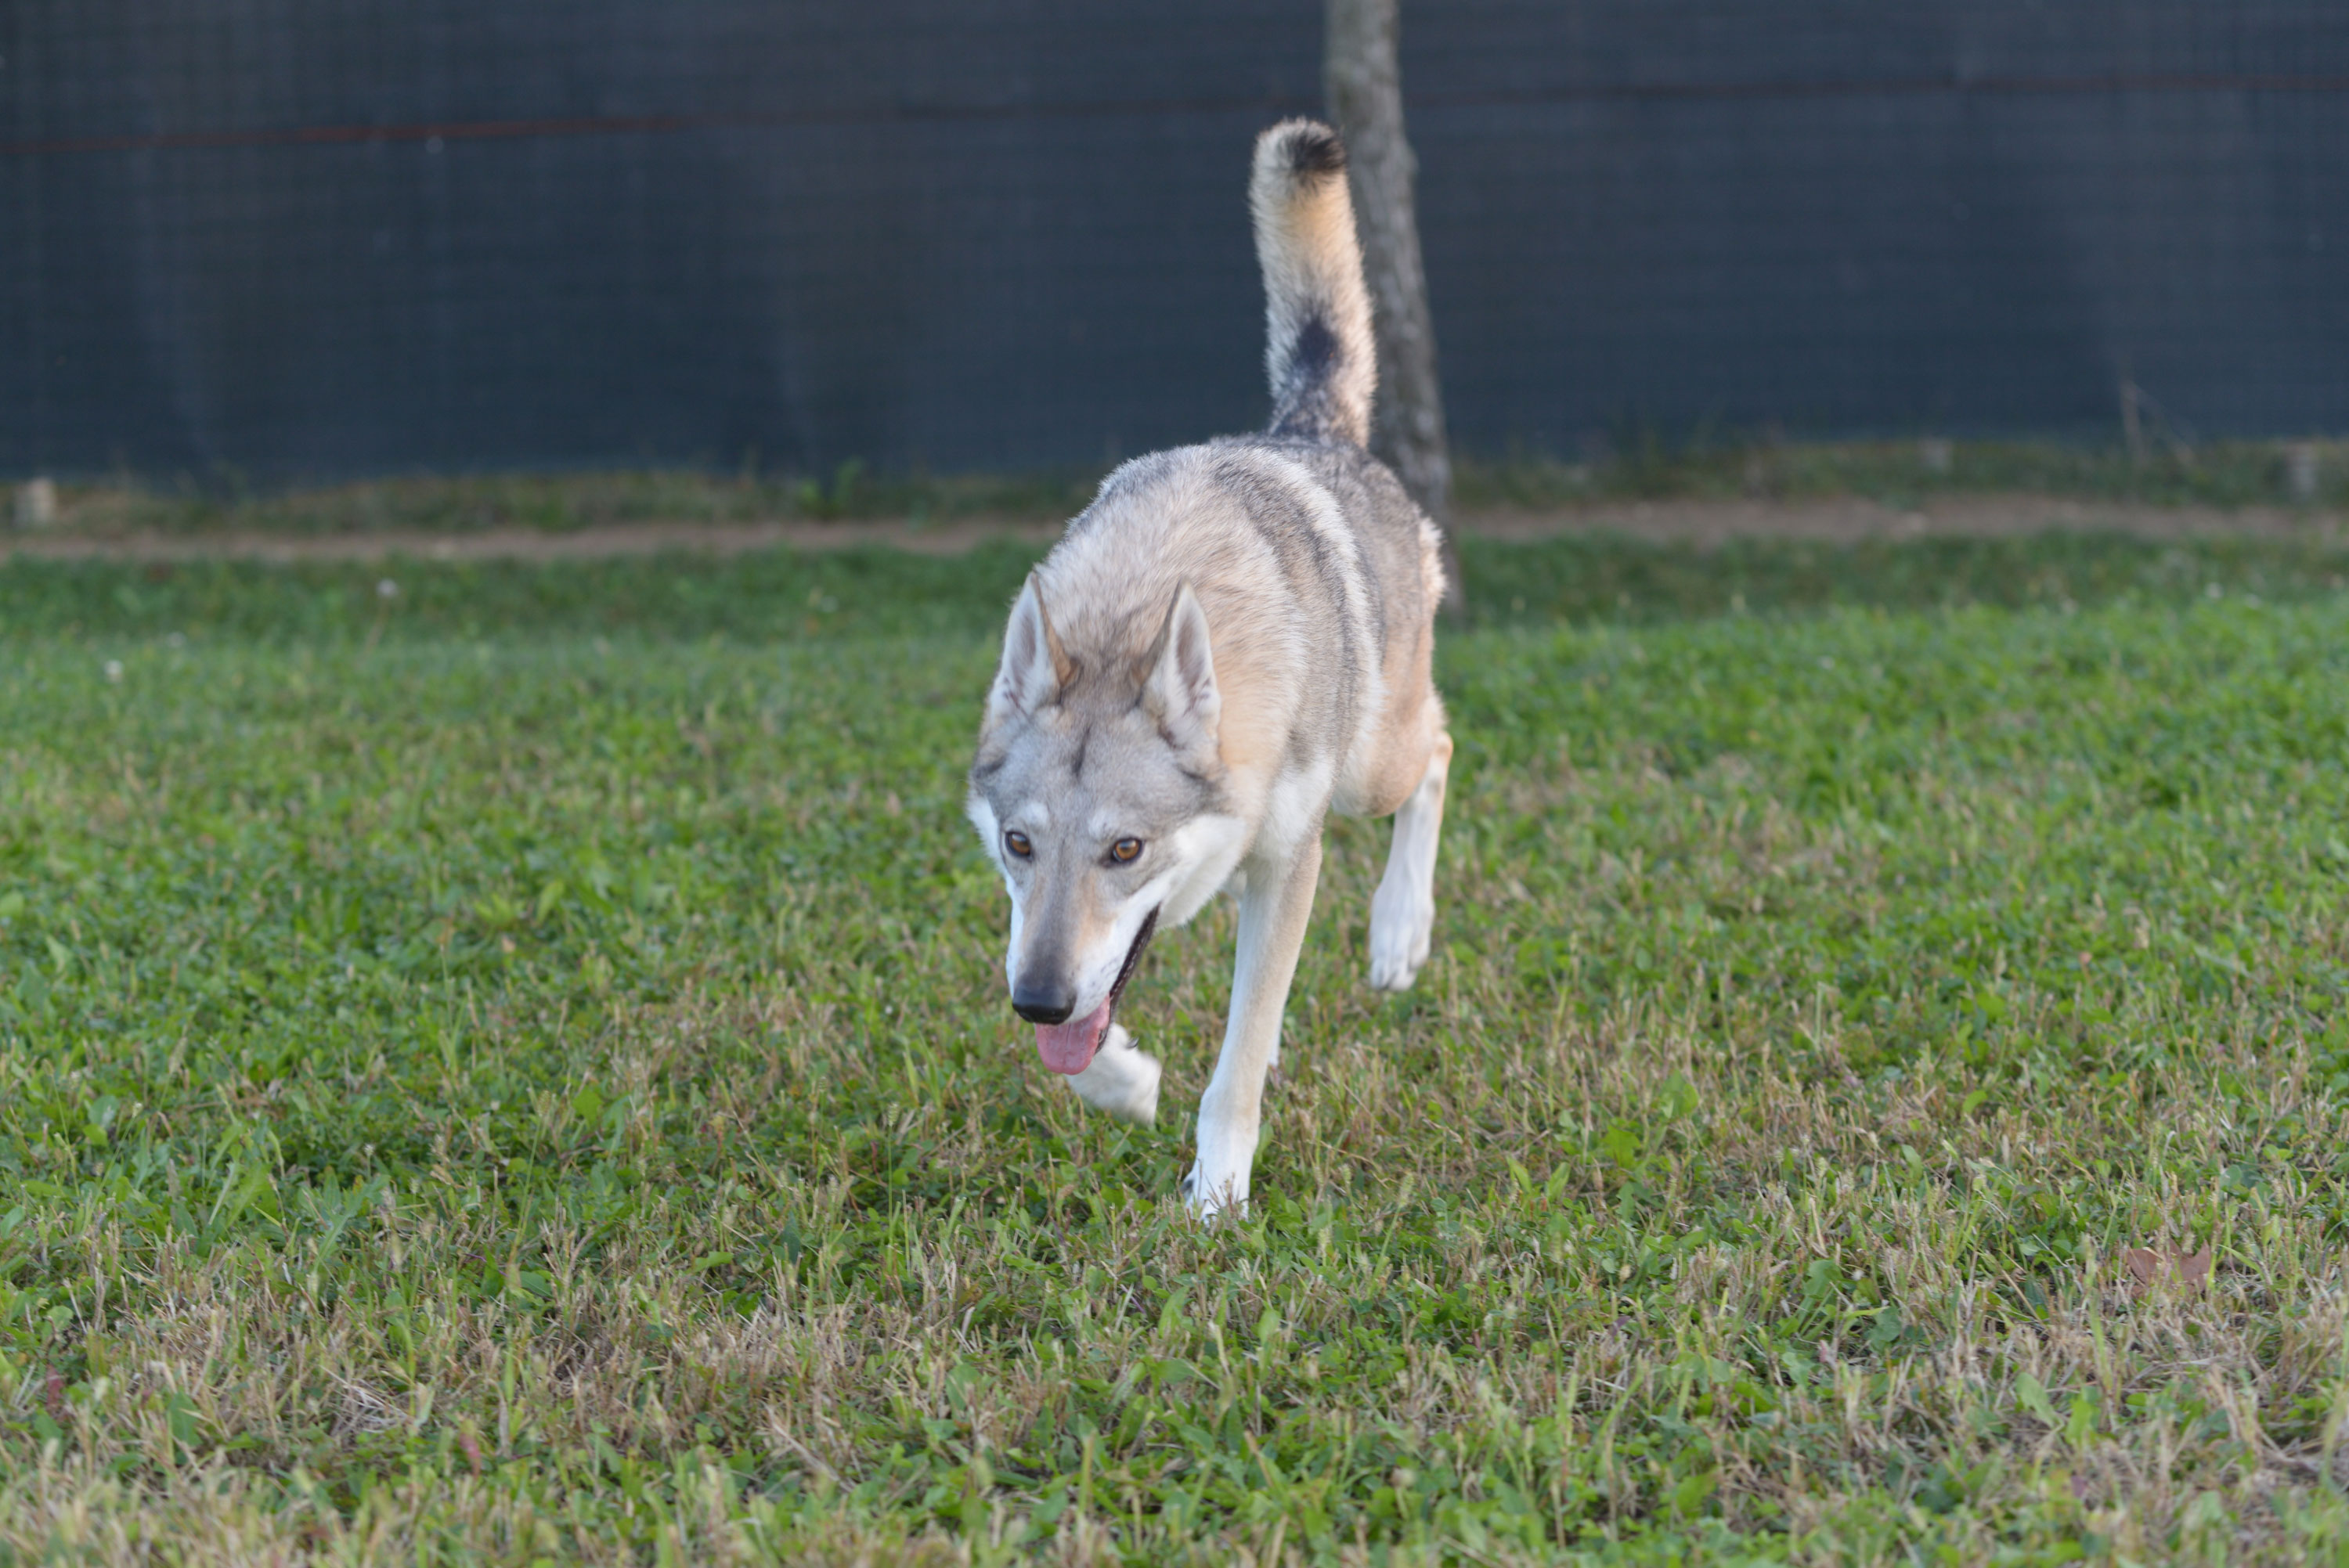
1043 1004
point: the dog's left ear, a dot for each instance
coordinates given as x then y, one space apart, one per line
1179 693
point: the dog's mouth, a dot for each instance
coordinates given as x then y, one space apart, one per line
1068 1048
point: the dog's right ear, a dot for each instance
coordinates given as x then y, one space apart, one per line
1035 666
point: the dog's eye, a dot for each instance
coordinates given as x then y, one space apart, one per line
1124 850
1017 843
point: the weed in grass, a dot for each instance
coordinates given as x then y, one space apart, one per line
516 1081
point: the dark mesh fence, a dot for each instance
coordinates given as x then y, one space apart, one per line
316 237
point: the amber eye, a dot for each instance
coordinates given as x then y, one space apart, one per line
1124 850
1017 843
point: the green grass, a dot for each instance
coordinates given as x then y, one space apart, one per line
1642 466
864 592
517 1071
565 502
1908 473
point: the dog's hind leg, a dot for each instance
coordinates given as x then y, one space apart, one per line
1402 911
1273 916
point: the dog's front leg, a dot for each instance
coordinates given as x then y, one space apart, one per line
1122 1079
1274 911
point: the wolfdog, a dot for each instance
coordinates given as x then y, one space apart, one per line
1231 642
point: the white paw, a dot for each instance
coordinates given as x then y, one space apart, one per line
1208 1198
1400 922
1218 1181
1120 1080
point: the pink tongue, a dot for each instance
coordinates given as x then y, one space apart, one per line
1068 1048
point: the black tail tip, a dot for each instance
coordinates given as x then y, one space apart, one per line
1315 150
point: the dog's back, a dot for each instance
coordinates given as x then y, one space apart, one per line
1319 576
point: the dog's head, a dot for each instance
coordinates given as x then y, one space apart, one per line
1098 791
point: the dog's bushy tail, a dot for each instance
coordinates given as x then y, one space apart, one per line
1318 352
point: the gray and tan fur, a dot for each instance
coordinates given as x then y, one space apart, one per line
1231 642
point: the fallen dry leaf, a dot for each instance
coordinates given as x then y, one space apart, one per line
2191 1270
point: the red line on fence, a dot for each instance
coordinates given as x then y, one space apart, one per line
671 124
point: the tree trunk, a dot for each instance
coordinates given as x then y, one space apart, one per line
1363 83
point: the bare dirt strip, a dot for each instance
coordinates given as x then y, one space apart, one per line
1700 522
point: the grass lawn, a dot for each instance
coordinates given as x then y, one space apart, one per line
516 1070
